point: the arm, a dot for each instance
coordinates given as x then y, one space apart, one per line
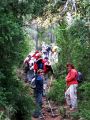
35 67
71 75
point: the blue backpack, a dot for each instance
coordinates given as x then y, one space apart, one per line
80 77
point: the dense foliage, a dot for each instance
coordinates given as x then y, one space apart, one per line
75 44
15 100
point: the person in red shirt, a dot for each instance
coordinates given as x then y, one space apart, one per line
38 64
71 92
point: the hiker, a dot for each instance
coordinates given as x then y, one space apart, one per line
44 50
36 55
38 93
47 66
72 84
54 54
38 64
26 67
48 49
47 69
31 70
72 3
27 59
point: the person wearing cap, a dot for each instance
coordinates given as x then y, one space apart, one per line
72 84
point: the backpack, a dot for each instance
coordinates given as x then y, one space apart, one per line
80 77
33 82
40 64
48 48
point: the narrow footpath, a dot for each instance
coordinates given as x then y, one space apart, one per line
52 111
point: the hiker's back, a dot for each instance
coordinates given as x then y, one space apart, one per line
39 84
39 64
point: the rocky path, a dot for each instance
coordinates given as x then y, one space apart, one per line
54 113
47 114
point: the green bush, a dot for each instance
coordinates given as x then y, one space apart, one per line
84 91
84 109
75 44
57 91
14 98
84 100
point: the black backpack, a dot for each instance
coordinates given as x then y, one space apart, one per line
80 77
40 64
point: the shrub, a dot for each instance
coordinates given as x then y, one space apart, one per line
84 100
57 91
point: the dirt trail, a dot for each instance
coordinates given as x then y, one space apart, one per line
47 115
46 109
